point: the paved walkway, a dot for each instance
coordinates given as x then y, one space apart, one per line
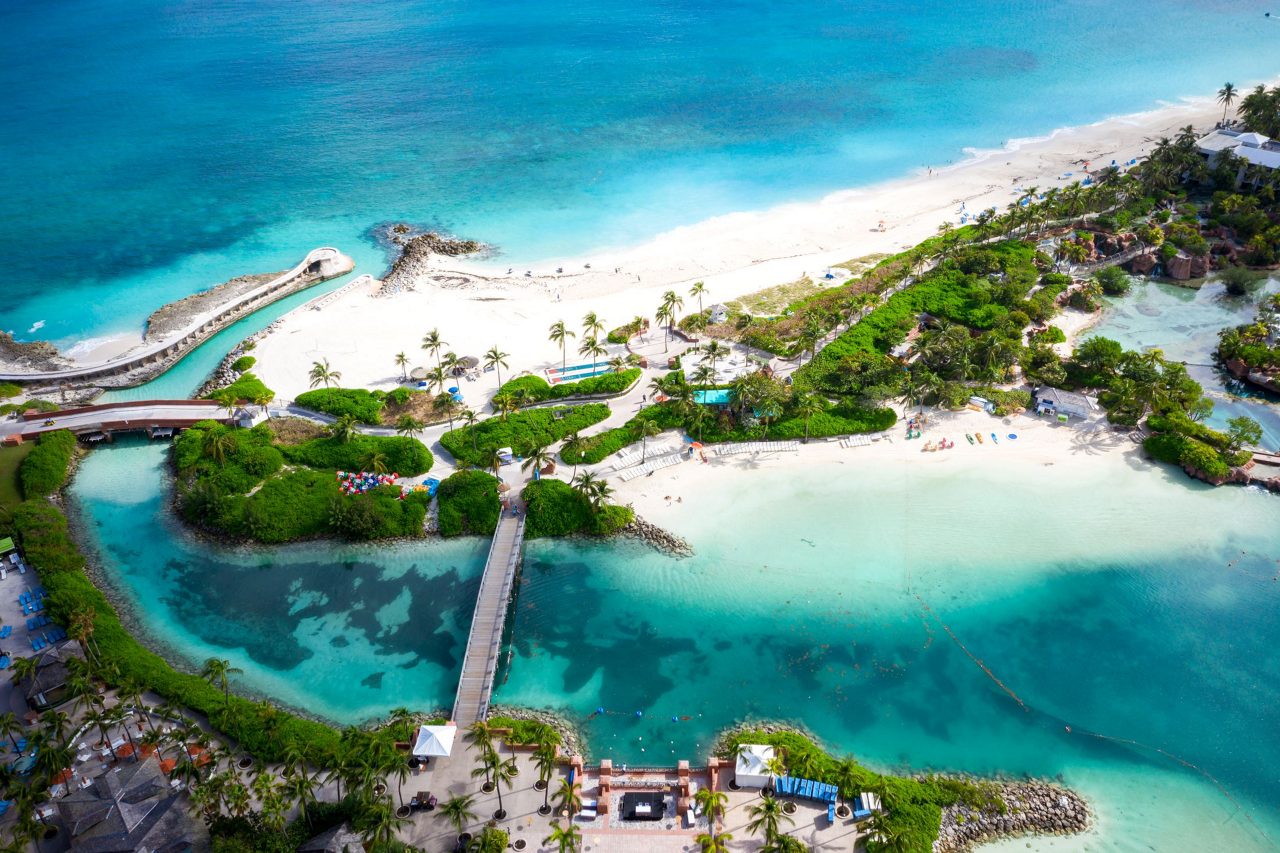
129 415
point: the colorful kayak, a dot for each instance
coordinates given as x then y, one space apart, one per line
994 440
978 436
970 437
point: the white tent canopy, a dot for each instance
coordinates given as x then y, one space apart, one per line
434 741
751 769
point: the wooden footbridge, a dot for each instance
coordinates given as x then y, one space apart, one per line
480 663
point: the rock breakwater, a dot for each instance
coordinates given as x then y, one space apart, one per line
1031 808
654 536
223 375
571 741
414 262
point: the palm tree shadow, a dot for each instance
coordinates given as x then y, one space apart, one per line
1095 441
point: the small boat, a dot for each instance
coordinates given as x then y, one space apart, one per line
994 439
978 436
970 437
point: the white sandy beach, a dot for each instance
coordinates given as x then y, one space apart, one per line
476 305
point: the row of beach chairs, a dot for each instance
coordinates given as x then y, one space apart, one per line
48 638
655 464
738 447
856 441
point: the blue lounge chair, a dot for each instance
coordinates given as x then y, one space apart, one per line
831 812
4 661
6 631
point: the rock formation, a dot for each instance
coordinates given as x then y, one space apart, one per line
415 255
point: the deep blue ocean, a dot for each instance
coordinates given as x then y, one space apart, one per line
152 149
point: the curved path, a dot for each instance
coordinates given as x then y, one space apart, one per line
323 263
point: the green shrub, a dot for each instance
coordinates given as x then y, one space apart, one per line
554 508
1052 335
595 448
246 389
45 469
8 389
468 504
42 532
359 403
535 389
1113 281
29 406
380 513
243 363
247 456
521 431
405 456
524 731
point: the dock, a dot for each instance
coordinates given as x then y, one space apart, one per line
484 642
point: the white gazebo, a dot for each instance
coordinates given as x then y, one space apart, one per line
752 767
434 741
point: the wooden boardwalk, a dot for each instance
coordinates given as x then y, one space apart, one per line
484 642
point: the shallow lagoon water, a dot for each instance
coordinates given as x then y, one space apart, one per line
1117 598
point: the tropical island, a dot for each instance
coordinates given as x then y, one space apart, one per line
978 327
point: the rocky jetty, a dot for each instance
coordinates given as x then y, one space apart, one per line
571 742
34 357
1032 808
223 375
1263 379
176 316
653 535
415 257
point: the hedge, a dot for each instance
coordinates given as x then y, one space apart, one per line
528 732
243 363
45 539
45 469
405 456
360 404
521 431
536 389
8 389
554 508
468 504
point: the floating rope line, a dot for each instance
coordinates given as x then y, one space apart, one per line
972 656
1222 789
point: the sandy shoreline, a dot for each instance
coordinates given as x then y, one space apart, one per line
477 305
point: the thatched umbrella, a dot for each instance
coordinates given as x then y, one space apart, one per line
465 363
418 373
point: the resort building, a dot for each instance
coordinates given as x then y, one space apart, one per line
751 769
340 839
1252 148
47 687
1064 404
131 808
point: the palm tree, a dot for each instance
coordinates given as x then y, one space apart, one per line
480 736
432 343
808 404
617 364
664 316
398 769
584 483
698 419
599 495
322 374
506 403
561 335
10 725
219 443
469 419
381 824
568 797
766 818
704 375
408 425
592 325
785 844
539 458
216 672
402 362
713 804
375 461
544 758
457 810
672 301
503 774
848 774
716 351
592 347
437 377
712 843
344 428
698 290
648 429
496 359
566 838
1227 96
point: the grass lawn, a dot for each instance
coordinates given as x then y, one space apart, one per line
10 459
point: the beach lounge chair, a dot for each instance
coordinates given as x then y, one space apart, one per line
5 632
831 812
4 661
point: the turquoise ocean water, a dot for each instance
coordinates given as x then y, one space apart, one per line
155 148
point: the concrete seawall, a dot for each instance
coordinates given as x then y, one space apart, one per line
149 360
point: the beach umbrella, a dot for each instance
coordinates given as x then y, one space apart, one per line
453 390
434 741
503 487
